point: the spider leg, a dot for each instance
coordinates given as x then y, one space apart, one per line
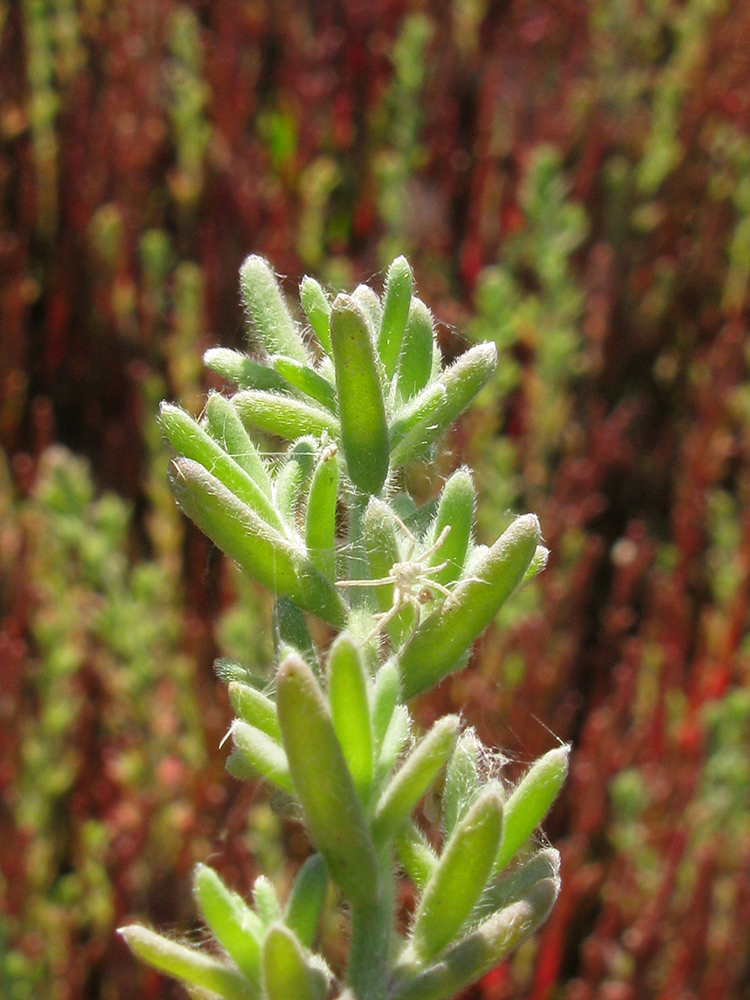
407 531
437 543
447 594
382 582
382 621
429 570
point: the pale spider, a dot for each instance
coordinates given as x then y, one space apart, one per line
410 579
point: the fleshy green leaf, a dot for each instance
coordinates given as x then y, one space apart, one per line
306 380
253 707
267 311
513 887
263 754
394 741
293 477
189 440
225 427
414 777
283 416
415 854
415 360
320 517
318 310
530 801
422 421
364 432
237 367
306 899
459 877
266 901
461 780
384 700
325 788
481 950
538 563
379 533
234 925
286 973
291 633
350 710
261 551
190 966
456 511
445 635
396 301
381 545
368 301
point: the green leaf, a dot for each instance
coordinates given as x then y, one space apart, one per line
415 360
261 551
253 707
306 899
515 886
266 901
461 780
480 951
456 511
417 857
189 440
396 302
306 380
291 633
237 367
381 544
190 966
530 801
293 477
350 710
234 925
368 301
459 877
394 741
263 754
286 973
225 427
423 420
324 785
364 432
384 700
267 311
283 416
318 311
320 517
445 635
414 777
538 563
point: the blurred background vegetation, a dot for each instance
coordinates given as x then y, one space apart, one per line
571 179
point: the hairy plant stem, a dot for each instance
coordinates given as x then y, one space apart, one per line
357 565
370 949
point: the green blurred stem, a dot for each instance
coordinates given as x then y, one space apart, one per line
370 949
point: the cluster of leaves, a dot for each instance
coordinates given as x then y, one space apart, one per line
372 389
143 148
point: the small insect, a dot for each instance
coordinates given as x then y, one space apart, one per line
412 579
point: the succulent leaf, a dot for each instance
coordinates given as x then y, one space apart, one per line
442 638
323 783
267 310
364 431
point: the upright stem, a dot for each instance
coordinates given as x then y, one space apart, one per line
357 556
370 950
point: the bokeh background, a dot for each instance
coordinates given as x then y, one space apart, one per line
571 179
